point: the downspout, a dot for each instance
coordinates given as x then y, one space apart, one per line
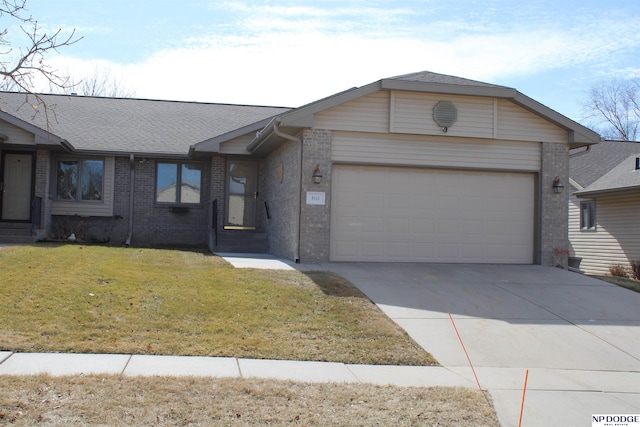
281 134
132 176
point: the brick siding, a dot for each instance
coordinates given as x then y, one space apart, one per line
283 199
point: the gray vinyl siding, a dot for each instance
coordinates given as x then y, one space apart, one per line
412 113
616 239
366 114
16 135
237 145
91 208
516 123
413 150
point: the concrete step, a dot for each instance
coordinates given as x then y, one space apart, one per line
15 232
242 242
18 239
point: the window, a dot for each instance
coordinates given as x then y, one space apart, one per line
588 215
178 182
80 179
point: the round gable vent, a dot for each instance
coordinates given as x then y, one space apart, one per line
445 114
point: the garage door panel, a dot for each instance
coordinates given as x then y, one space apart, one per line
403 214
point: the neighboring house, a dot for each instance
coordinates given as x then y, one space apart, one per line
604 209
423 167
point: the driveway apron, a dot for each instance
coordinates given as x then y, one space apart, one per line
578 337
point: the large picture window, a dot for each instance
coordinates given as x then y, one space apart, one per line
588 215
178 182
80 179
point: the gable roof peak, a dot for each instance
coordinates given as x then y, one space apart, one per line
431 77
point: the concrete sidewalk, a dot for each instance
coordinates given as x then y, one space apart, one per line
58 364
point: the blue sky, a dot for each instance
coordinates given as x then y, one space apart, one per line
288 53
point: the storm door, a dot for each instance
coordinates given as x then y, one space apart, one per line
16 187
242 192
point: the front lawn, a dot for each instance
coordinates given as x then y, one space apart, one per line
97 299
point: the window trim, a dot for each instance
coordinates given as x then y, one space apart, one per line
179 164
80 160
588 215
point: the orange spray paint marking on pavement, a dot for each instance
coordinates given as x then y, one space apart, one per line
526 378
465 352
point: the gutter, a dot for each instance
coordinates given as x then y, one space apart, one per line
132 165
259 139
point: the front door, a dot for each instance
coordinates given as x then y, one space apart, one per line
16 187
242 192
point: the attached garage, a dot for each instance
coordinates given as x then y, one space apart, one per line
422 167
399 214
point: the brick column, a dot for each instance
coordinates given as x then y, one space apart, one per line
42 186
554 208
315 219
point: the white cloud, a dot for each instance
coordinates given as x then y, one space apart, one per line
293 55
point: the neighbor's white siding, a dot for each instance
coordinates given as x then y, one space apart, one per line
616 239
16 135
414 150
90 208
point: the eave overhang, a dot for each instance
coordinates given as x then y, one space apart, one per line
42 138
592 194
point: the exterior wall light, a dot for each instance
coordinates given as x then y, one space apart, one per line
557 186
317 175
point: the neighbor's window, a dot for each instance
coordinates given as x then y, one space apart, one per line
588 215
80 179
178 182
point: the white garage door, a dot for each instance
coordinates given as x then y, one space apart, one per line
426 215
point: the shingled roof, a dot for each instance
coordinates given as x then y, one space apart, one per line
138 126
587 166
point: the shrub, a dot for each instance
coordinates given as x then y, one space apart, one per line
635 269
618 270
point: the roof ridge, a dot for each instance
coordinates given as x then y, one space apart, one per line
117 98
430 76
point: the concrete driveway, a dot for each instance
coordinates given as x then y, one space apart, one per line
578 337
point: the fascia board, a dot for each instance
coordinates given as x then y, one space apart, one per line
137 154
586 194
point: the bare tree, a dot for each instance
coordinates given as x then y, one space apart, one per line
100 83
612 108
20 65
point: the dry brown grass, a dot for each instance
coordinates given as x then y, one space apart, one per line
116 400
